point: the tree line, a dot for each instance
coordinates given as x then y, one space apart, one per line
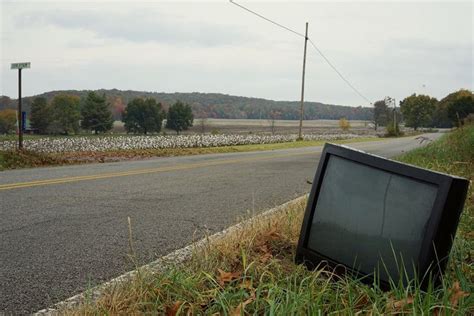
425 111
66 114
215 105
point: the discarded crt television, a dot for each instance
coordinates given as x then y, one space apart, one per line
379 219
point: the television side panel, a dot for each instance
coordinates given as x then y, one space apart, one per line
446 229
310 205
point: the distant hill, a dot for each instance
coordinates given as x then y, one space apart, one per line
216 105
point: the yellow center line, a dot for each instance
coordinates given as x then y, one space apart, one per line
18 185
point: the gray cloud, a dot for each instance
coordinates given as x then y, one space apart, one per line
138 26
394 48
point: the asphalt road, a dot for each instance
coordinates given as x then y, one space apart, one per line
64 229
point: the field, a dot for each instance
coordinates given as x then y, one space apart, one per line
61 151
252 271
240 126
206 136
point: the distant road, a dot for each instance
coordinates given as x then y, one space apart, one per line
63 229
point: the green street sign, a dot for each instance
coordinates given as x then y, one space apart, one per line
20 65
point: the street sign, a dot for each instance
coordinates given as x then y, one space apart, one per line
21 117
20 65
23 121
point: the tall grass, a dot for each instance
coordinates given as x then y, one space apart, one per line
454 154
252 271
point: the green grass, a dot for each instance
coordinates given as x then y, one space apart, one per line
252 271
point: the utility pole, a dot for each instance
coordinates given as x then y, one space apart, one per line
395 116
300 134
21 124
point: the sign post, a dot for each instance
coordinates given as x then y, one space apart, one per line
21 124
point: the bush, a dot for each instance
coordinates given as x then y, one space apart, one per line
344 124
393 132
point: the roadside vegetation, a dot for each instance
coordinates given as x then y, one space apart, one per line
251 271
76 127
114 143
12 159
423 111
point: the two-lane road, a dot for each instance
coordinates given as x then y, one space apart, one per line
64 229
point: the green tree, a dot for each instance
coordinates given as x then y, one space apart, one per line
96 114
65 114
460 109
381 114
7 121
143 116
440 115
180 117
40 115
417 110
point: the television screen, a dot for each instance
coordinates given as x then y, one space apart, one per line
379 217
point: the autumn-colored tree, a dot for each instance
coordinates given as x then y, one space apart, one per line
344 124
7 121
6 103
118 107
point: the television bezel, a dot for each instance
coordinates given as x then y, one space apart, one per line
446 209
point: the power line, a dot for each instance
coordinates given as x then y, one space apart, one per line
312 44
338 72
267 19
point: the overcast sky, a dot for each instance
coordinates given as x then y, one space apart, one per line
383 48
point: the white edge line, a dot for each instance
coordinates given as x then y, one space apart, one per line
176 257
